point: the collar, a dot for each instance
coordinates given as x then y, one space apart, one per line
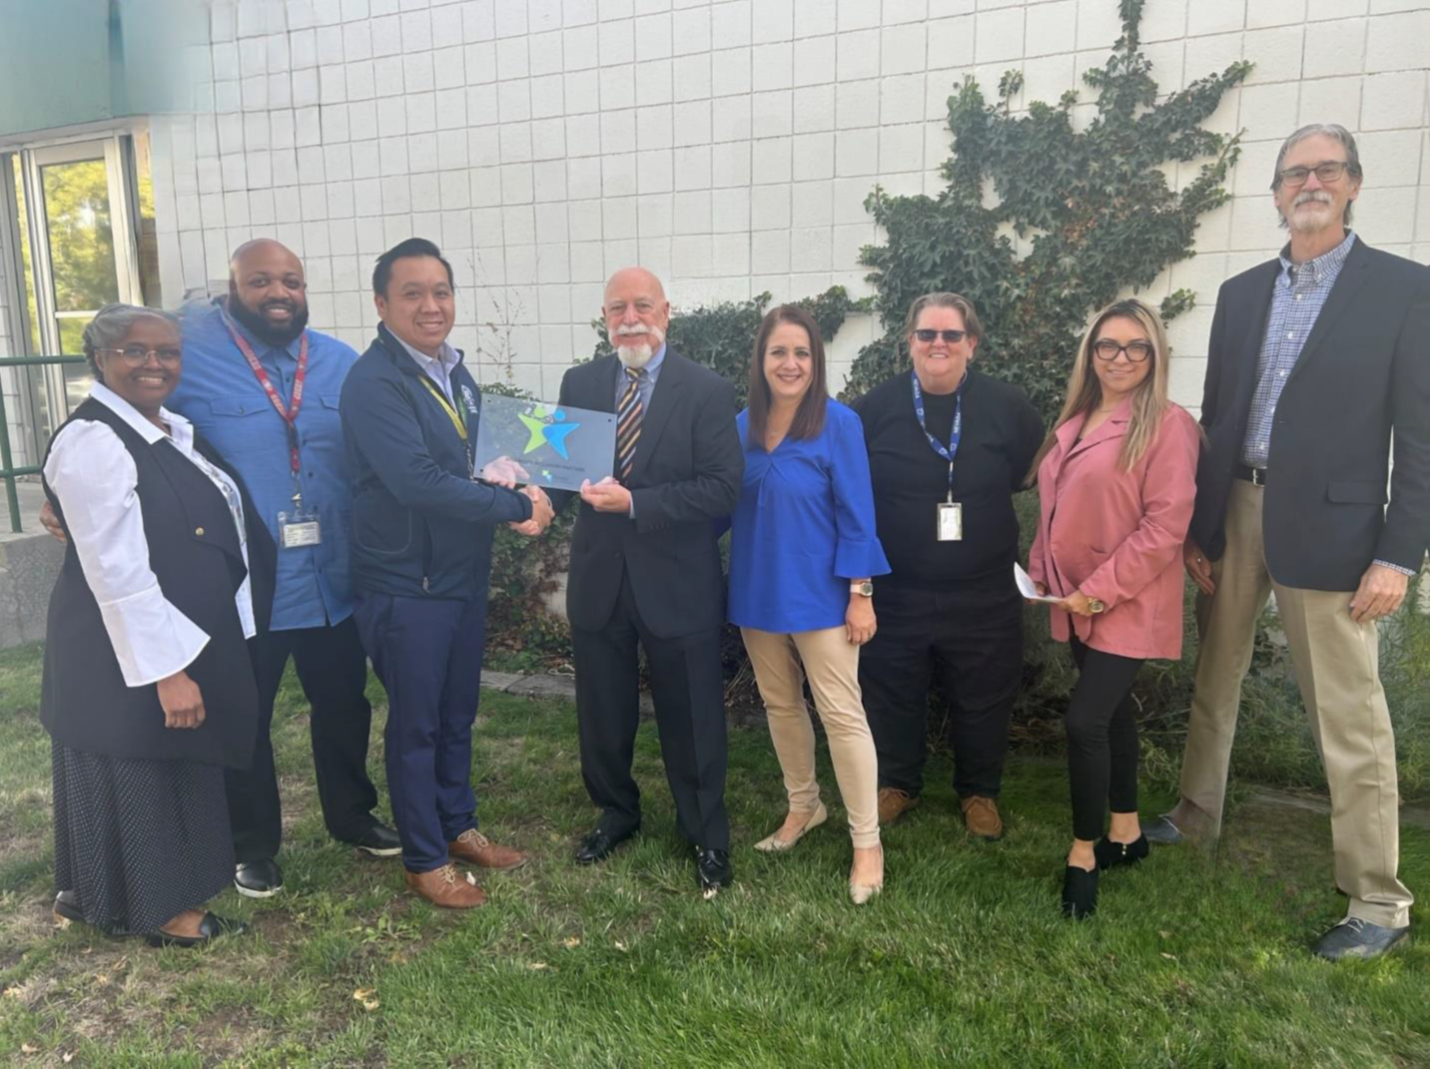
259 346
652 367
447 358
180 429
1327 262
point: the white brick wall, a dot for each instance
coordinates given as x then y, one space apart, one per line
728 145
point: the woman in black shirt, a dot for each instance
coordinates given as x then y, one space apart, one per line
948 448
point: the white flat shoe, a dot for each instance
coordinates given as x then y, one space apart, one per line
859 893
771 844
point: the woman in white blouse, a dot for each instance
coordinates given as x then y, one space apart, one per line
148 689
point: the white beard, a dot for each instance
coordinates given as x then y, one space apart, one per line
634 356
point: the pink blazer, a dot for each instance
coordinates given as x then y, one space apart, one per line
1117 535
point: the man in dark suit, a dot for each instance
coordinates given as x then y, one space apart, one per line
645 569
1317 359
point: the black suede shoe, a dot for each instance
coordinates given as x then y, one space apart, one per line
600 844
1110 854
211 927
379 841
712 870
1079 892
258 879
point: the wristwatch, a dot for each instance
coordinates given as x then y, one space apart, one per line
866 588
1094 606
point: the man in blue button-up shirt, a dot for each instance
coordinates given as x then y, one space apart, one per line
1316 365
266 313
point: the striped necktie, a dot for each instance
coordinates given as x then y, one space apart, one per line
628 421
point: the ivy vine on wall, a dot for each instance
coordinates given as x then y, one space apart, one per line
1093 206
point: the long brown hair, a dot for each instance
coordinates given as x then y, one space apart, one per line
809 416
1149 401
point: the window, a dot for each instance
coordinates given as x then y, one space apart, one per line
84 218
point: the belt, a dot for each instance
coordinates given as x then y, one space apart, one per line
1255 476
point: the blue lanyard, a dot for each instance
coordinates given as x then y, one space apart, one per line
938 447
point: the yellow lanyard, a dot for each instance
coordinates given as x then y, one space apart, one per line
456 415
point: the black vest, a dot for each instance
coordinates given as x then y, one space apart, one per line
194 551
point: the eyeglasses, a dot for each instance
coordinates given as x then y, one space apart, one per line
953 337
1106 349
134 356
1330 171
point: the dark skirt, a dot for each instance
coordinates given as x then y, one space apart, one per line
138 842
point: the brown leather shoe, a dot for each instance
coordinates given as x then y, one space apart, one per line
474 847
980 817
894 803
446 887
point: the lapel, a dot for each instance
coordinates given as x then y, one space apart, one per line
1354 273
1258 293
662 401
1114 426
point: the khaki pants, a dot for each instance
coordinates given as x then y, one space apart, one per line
1337 671
832 665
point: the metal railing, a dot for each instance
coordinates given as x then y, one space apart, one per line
7 473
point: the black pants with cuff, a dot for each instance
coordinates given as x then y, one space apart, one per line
1102 739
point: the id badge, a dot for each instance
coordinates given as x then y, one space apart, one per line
298 528
950 521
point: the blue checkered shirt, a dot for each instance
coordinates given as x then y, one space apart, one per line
1297 298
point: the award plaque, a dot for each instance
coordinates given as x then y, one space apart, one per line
544 444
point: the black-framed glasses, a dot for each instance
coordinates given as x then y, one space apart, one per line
953 337
138 356
1106 349
1330 171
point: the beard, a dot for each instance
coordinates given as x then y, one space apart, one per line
256 323
638 356
1311 222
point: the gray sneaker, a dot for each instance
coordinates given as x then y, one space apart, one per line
1357 938
1163 831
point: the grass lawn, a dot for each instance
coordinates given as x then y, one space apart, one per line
963 960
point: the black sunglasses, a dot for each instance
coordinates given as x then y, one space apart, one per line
953 337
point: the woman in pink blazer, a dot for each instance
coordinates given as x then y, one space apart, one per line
1116 478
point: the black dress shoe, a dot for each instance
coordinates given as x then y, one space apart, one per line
211 927
1079 892
67 907
258 879
1357 938
712 870
379 841
1110 854
599 844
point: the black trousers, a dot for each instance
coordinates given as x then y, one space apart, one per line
973 640
332 669
1102 739
689 694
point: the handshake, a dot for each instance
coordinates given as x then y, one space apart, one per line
507 473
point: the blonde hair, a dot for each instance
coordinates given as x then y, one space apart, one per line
1149 400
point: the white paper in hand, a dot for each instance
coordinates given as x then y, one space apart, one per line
1026 587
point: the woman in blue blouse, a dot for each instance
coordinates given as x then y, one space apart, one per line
802 554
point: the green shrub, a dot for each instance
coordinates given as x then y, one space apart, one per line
1094 206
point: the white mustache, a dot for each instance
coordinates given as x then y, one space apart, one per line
638 329
1320 196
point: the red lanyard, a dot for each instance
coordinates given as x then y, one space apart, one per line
288 415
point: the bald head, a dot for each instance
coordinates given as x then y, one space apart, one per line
636 314
267 291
